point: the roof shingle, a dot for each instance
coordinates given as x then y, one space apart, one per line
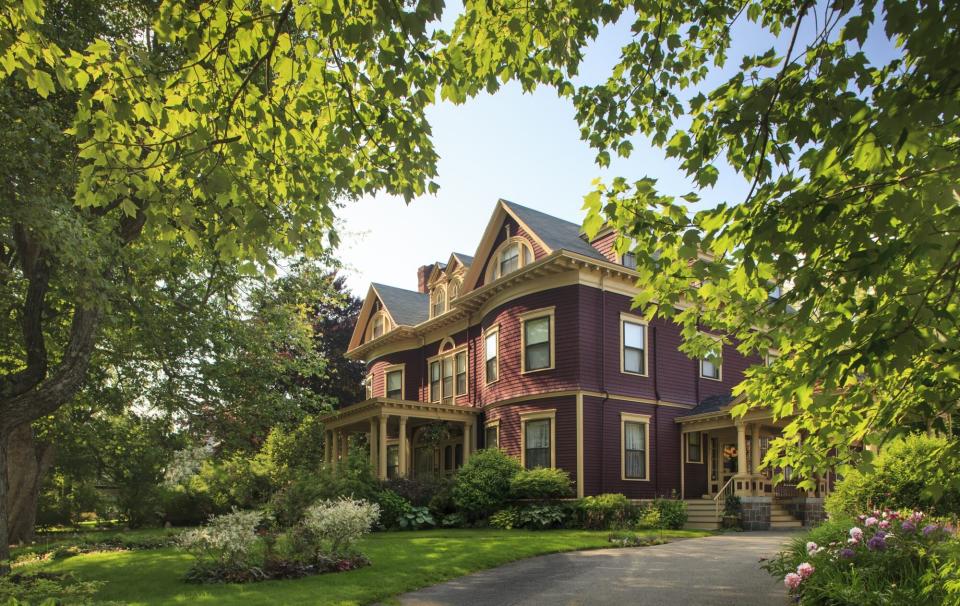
555 232
406 307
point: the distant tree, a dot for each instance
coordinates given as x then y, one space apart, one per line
852 218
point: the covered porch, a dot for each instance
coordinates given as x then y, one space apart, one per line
405 439
731 452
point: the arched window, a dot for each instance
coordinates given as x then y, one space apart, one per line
379 325
509 257
455 290
438 302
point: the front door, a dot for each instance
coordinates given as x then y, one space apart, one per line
728 467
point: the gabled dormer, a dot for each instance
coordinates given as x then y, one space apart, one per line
387 309
517 236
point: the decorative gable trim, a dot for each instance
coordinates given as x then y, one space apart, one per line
366 313
490 234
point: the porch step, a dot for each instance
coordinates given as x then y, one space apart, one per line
702 515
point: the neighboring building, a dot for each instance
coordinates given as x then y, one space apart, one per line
531 345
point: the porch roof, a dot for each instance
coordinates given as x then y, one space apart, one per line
375 407
714 413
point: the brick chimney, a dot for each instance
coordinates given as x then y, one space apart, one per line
423 276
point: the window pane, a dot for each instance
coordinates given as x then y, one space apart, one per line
537 337
709 368
491 357
634 450
629 260
395 384
393 461
537 443
447 379
633 360
461 373
633 335
434 381
490 439
509 259
537 330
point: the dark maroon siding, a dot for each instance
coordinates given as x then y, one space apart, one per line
602 449
566 428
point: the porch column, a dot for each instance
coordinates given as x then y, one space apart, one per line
382 468
373 443
468 439
741 452
707 445
755 448
402 448
334 450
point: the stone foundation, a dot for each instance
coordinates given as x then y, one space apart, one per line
756 512
808 510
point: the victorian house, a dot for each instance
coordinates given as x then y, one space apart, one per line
531 345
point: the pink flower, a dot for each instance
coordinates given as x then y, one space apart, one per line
884 524
792 580
805 570
812 548
856 535
870 521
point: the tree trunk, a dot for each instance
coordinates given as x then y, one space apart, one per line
28 464
4 539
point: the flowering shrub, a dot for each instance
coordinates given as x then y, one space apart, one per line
885 557
340 524
228 541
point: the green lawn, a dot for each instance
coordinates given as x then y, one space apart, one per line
402 561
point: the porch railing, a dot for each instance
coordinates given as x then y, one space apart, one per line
721 498
787 491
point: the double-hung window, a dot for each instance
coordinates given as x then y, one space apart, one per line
491 352
447 380
510 259
695 447
537 334
635 434
395 384
633 335
460 361
491 436
435 381
711 363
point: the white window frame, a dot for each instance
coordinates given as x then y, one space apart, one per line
625 319
537 415
536 314
380 316
629 417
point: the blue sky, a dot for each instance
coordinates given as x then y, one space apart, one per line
521 147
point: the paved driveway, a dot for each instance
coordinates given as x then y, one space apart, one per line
718 570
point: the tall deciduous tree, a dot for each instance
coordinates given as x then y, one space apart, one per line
850 152
139 128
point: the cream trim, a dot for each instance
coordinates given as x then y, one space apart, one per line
538 415
403 379
371 324
628 318
494 424
493 329
585 393
580 479
446 341
535 314
629 417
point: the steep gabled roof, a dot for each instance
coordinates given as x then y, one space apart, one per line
555 232
406 307
466 260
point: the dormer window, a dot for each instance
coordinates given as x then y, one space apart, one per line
438 302
379 325
629 260
455 290
511 256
